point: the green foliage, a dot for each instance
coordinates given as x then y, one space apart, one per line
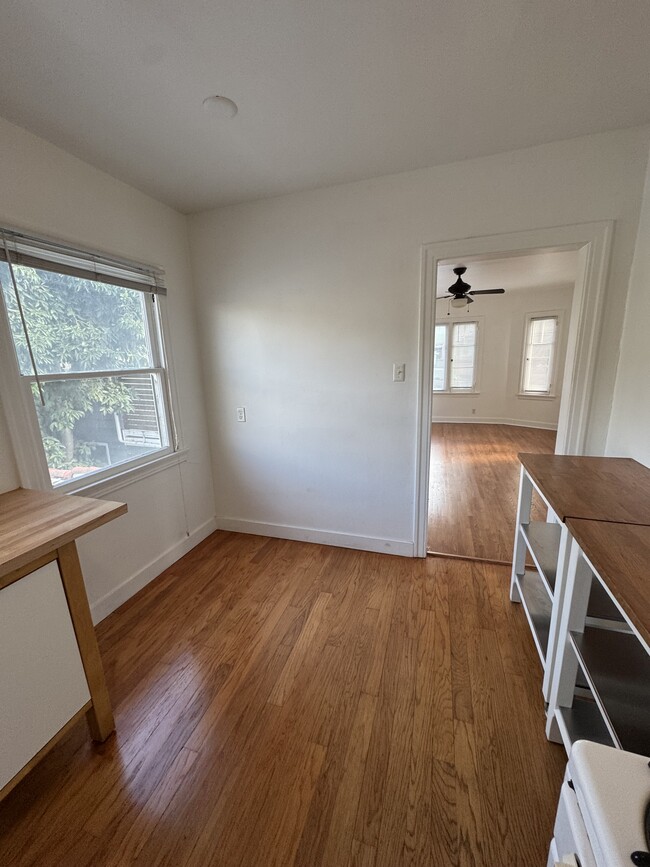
54 452
75 326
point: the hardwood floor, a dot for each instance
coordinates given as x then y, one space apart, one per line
280 703
473 487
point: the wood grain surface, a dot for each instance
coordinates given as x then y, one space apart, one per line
620 553
280 703
473 487
35 523
597 489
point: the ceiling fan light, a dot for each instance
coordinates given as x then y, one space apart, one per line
459 302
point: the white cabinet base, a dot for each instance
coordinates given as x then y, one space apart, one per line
42 679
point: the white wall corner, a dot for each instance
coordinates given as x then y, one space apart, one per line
112 600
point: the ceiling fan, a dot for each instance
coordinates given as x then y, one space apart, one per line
460 291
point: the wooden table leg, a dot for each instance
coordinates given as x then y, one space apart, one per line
100 715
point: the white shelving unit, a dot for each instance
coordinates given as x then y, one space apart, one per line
546 543
541 590
613 705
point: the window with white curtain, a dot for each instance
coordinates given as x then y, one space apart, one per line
455 356
538 366
87 336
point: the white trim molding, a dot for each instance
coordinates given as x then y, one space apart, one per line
400 547
104 606
130 476
514 422
593 243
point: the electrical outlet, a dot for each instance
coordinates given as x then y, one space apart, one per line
241 413
399 372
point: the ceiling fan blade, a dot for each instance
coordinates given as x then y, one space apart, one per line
486 292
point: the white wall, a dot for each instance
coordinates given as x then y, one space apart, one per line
501 328
629 433
307 300
48 191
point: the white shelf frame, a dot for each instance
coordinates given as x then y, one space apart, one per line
573 620
523 545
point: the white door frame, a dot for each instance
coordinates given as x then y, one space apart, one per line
593 241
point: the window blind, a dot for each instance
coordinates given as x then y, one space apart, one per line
49 255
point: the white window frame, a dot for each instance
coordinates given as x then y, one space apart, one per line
22 420
448 322
551 394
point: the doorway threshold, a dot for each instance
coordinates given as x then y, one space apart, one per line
507 563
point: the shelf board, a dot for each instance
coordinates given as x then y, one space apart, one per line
601 605
620 554
543 542
537 605
617 668
583 721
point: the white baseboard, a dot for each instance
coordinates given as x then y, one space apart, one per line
321 537
515 422
116 597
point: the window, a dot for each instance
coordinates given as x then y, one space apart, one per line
539 355
88 344
455 356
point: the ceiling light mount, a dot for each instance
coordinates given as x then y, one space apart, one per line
220 106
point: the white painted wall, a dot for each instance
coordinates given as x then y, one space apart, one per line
48 191
501 328
629 432
307 300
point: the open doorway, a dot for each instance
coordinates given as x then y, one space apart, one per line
498 374
509 378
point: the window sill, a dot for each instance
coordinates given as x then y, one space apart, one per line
126 477
464 393
536 396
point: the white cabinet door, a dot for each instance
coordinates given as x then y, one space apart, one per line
42 681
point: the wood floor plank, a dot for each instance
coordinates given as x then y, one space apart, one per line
472 830
407 728
192 810
438 660
282 829
474 478
334 727
373 678
430 820
125 844
463 621
362 855
305 640
341 830
375 788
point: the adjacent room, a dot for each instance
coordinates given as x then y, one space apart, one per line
317 549
498 377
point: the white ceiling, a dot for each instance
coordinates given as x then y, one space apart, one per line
327 92
515 273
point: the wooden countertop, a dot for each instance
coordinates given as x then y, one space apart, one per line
598 489
35 523
620 553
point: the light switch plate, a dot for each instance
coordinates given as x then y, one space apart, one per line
399 372
241 413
